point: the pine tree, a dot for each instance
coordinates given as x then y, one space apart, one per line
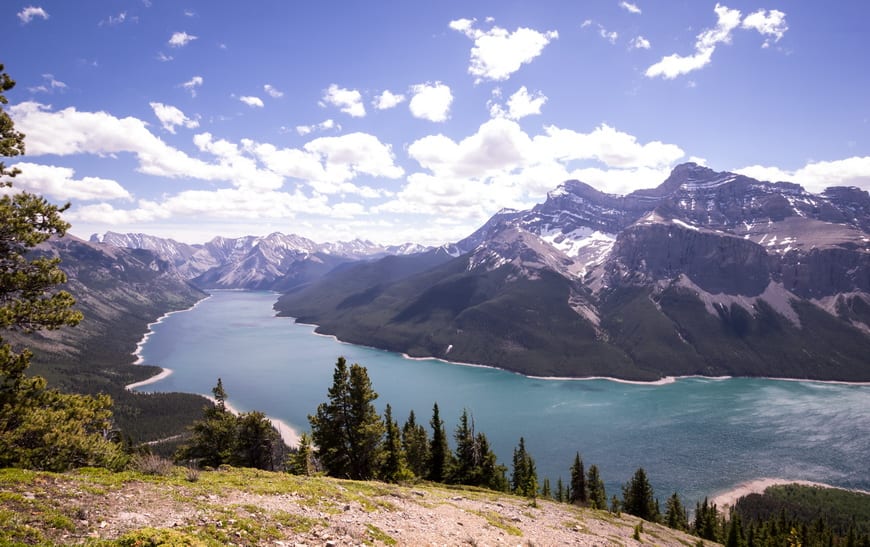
578 481
638 498
597 495
675 513
560 491
393 468
492 474
347 429
545 489
214 436
438 450
257 443
466 466
415 443
301 461
40 428
524 478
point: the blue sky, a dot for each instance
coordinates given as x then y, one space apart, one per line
416 121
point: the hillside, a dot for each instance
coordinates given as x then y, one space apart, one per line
711 273
249 507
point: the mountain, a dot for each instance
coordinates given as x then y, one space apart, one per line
273 262
119 291
710 273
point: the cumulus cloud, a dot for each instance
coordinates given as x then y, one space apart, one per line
180 39
387 99
639 42
60 183
519 105
348 101
30 13
497 53
674 65
431 101
192 84
609 35
322 126
816 176
252 101
768 23
170 117
629 7
272 91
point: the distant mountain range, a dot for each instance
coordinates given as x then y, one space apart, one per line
710 273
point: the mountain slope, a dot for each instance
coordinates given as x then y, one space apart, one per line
709 273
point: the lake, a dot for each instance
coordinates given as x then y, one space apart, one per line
696 436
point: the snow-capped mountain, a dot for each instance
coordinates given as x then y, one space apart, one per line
275 261
708 273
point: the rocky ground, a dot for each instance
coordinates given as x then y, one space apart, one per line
247 507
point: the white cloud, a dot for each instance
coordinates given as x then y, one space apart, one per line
609 146
431 101
519 105
252 101
170 117
767 23
639 42
346 156
586 23
181 39
59 183
498 53
322 126
610 36
629 7
192 84
162 57
272 91
29 13
50 84
816 176
119 19
348 101
387 99
674 65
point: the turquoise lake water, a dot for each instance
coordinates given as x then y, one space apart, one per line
696 436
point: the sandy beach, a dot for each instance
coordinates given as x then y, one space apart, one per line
757 486
156 378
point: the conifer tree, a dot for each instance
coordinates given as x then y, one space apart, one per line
493 475
40 428
638 498
675 513
560 491
415 443
393 468
438 450
466 466
301 461
524 478
347 429
597 495
545 489
257 444
578 481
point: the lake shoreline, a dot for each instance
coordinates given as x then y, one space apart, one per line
660 382
726 499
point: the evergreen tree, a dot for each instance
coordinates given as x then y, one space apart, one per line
257 443
545 489
301 461
40 428
524 478
415 443
492 475
438 450
393 468
615 506
347 430
735 533
597 496
578 481
466 465
706 524
638 498
560 491
675 513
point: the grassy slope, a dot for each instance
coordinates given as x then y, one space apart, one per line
251 507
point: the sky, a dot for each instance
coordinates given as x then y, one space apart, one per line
399 121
